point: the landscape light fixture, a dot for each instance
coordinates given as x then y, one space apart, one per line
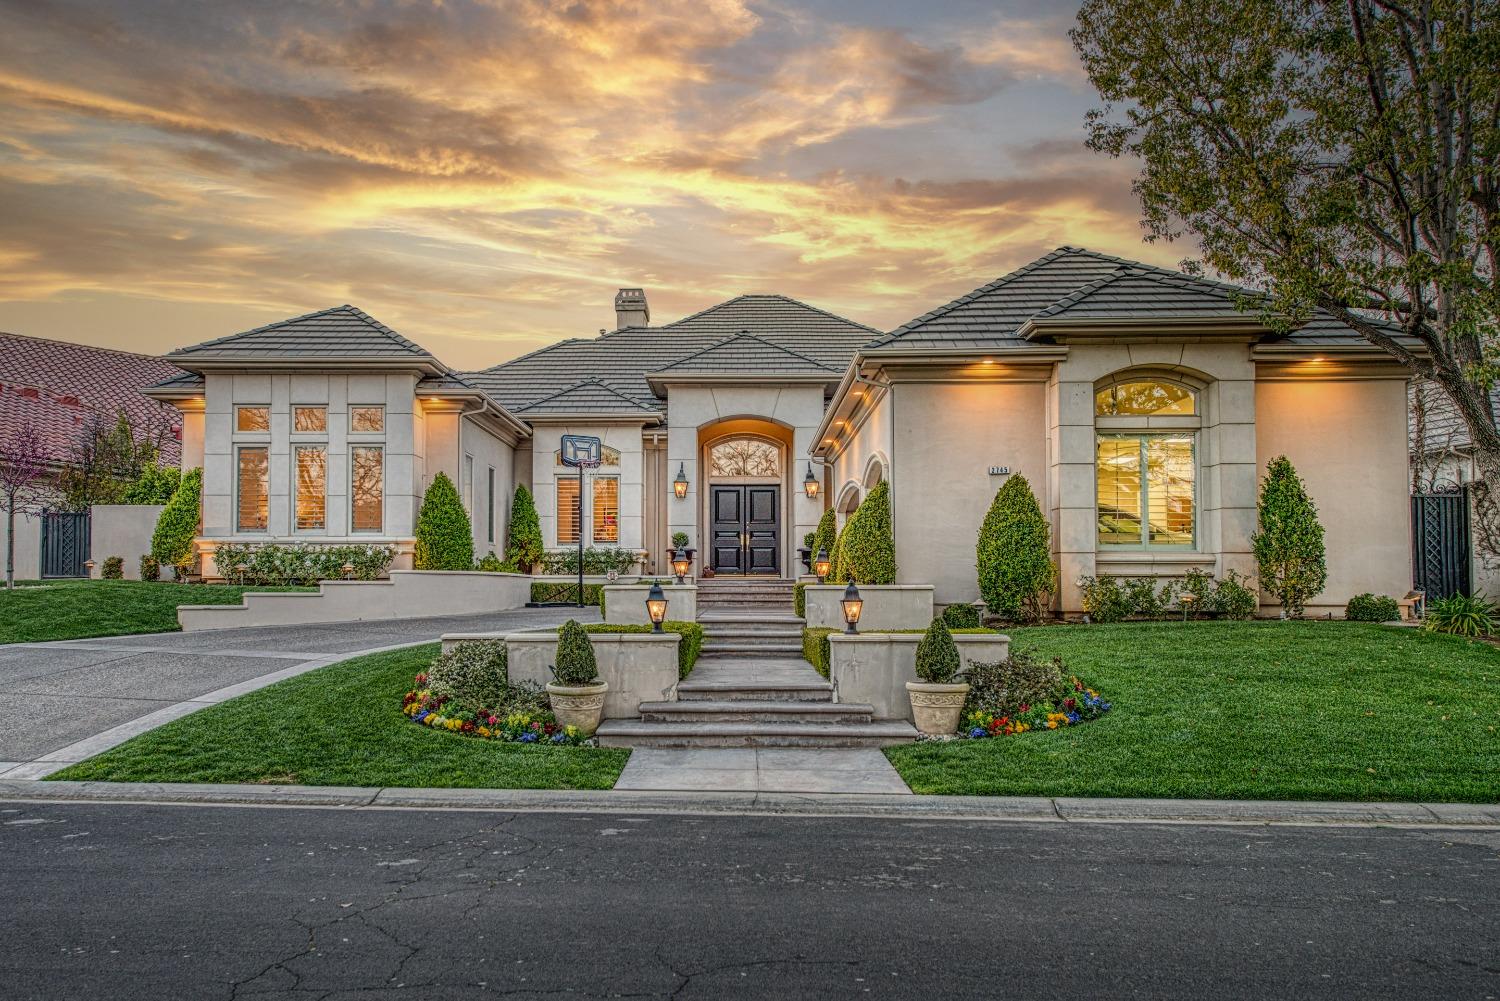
348 570
853 605
656 606
810 484
679 485
680 564
820 565
1186 601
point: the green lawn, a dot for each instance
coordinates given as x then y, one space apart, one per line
1248 710
342 725
79 609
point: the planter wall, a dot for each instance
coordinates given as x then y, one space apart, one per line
639 667
875 667
407 594
625 604
887 606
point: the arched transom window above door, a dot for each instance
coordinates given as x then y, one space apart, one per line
744 457
1145 398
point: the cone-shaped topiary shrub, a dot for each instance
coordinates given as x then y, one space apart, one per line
937 655
523 539
869 548
575 656
445 539
826 535
838 570
1014 555
1288 546
177 525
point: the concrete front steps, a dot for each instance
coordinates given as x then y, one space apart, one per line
639 733
741 632
769 594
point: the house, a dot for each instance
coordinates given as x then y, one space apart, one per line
60 389
1140 403
1451 555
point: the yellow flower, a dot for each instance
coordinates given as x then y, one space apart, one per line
1052 724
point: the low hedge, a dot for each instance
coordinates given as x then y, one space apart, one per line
799 599
687 650
1369 607
299 563
555 592
815 648
961 616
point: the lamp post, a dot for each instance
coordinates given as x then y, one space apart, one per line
810 484
853 605
656 606
680 564
820 565
679 485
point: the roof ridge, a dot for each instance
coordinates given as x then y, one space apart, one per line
744 335
973 294
587 380
536 351
366 318
1081 293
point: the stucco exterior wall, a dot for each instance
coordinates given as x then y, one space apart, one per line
545 472
946 436
1347 438
490 454
28 554
338 392
870 447
693 408
122 530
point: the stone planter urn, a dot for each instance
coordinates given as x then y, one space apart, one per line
578 705
935 708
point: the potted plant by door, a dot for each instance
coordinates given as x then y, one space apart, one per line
577 694
937 700
680 540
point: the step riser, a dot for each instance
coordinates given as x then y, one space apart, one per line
753 639
792 715
738 651
756 695
750 740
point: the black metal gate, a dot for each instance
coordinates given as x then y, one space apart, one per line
65 544
1440 544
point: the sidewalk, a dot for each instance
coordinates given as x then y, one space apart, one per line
1478 817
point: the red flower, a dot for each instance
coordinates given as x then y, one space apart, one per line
1071 703
1024 709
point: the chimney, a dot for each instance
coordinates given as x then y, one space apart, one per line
631 309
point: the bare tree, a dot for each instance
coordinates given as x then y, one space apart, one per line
23 463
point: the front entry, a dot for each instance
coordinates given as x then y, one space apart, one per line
744 535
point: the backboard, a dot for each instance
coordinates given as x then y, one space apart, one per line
581 451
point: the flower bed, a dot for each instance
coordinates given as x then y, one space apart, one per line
1071 710
519 723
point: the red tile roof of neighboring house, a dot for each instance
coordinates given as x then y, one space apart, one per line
58 386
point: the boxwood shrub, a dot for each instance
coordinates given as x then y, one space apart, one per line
961 616
1369 607
815 648
561 592
113 569
799 599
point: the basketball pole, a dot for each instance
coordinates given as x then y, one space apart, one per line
580 535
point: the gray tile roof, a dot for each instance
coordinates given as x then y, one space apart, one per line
744 352
1074 283
182 380
343 331
585 396
622 359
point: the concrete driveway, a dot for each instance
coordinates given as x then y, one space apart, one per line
70 700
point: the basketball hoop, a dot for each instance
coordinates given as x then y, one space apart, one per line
581 451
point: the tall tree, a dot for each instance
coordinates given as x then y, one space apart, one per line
106 459
1342 156
23 463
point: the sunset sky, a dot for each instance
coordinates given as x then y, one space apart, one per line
482 176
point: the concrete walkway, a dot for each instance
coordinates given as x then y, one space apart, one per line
69 700
761 769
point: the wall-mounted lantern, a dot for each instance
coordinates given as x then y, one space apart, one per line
810 484
679 485
656 606
820 565
853 605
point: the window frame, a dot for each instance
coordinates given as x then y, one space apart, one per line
777 449
557 521
594 539
239 488
1145 545
296 491
1130 379
490 505
367 406
241 407
353 449
309 406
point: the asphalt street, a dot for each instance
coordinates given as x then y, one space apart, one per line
125 901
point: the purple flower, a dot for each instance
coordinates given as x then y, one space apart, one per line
529 737
977 732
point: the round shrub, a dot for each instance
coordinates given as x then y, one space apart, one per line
1369 607
445 539
1104 599
1233 598
177 525
491 564
961 617
1014 555
150 569
937 655
113 569
869 547
473 674
575 656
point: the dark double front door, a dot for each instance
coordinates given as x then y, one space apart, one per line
744 529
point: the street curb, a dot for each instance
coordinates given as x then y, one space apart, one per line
944 808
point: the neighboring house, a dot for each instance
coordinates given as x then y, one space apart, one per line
60 388
1449 555
1140 403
